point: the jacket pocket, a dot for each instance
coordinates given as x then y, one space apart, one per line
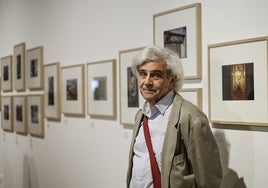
181 175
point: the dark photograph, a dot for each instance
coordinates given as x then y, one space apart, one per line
19 111
6 112
176 40
34 114
132 89
51 96
238 82
18 67
5 73
71 90
34 68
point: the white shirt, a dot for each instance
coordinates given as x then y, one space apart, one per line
157 123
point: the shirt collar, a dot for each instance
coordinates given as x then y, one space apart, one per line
160 107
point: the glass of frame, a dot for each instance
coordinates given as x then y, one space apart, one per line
35 115
35 68
238 82
19 67
101 88
193 95
20 114
52 91
130 97
6 105
180 30
73 90
6 68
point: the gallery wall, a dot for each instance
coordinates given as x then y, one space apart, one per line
93 152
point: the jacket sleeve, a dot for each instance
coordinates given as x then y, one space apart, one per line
203 153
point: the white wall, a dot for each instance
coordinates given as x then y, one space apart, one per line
86 152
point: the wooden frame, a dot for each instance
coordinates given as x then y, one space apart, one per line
35 68
35 118
238 82
130 97
20 114
7 109
19 67
52 91
193 95
73 90
6 68
180 30
101 88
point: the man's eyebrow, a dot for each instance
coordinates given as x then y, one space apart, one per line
154 71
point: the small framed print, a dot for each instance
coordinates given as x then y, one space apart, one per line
6 105
238 82
52 91
130 97
101 88
35 68
19 67
73 90
6 68
35 115
180 30
193 95
20 114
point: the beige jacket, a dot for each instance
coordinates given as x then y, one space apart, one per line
188 130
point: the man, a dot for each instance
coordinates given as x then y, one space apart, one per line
172 145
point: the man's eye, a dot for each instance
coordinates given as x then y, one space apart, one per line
143 74
156 75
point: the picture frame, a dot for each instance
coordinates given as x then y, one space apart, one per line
20 114
35 68
101 88
180 29
7 121
6 72
130 97
19 59
52 91
35 117
238 82
73 90
193 95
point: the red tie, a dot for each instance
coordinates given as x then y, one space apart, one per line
154 167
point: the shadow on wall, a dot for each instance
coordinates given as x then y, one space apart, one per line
230 177
30 178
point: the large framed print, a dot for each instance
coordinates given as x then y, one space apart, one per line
193 95
35 119
20 114
35 68
19 59
238 82
180 30
130 97
101 88
6 105
52 91
73 90
6 72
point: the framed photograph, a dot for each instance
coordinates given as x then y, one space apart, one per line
20 114
180 30
35 109
238 82
193 95
19 67
73 90
101 88
130 97
52 91
6 105
6 68
35 68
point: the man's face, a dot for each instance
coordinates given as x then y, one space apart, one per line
154 82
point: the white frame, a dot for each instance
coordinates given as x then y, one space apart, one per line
52 111
127 114
73 107
190 17
241 112
193 95
107 107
